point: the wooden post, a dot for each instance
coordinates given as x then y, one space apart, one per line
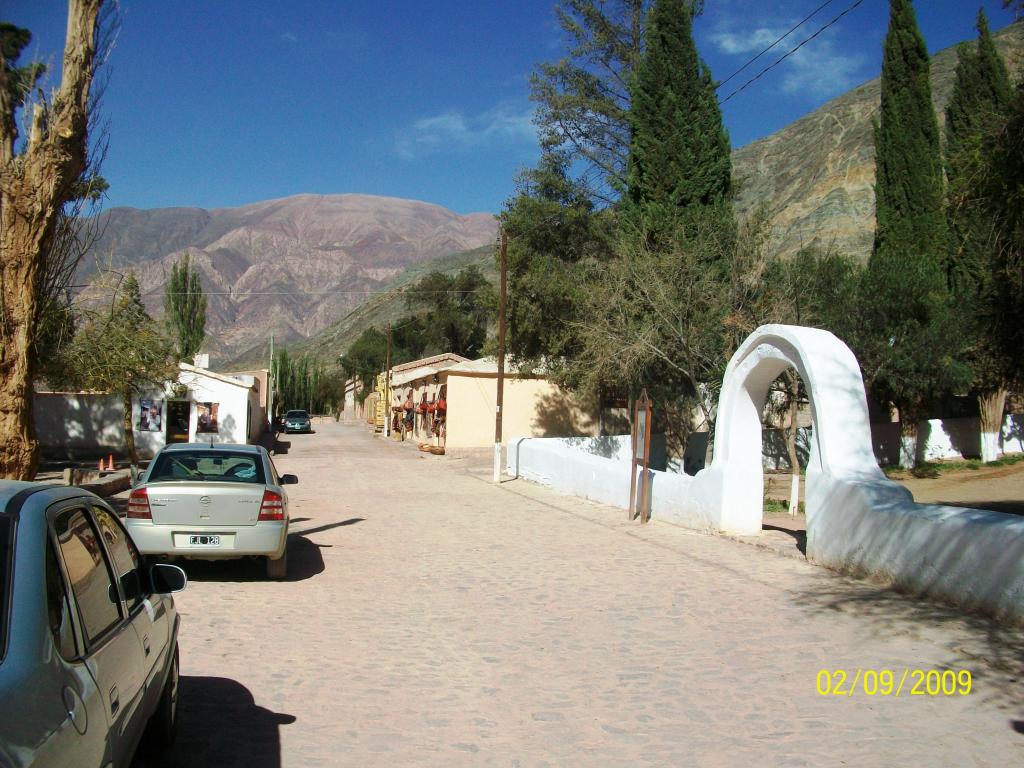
500 398
386 396
640 456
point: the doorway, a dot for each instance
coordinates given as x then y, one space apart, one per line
178 413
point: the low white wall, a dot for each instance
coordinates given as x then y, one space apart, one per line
84 424
945 439
597 468
569 468
970 557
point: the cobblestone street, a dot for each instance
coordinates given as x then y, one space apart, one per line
433 618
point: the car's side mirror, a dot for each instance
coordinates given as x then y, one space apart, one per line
289 480
167 578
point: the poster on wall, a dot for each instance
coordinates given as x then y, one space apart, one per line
207 420
149 416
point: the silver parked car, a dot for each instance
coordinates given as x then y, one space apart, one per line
212 502
88 633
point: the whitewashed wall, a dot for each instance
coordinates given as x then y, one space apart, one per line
234 412
82 424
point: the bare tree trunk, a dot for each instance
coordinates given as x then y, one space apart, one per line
34 186
793 393
991 405
129 429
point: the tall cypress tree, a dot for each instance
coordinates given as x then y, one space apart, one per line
679 151
185 307
906 342
976 114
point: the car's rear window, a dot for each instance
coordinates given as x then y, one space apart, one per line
214 466
6 577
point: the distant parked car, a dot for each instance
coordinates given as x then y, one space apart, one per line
297 421
212 502
88 633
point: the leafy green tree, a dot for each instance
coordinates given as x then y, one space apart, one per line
583 99
679 158
458 310
907 340
977 112
554 233
120 350
365 359
185 307
299 382
657 318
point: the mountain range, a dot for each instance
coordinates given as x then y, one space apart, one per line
288 267
315 270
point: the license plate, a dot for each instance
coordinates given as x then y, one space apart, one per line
204 541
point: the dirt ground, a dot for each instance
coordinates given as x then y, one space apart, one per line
996 488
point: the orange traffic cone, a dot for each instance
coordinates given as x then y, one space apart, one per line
110 463
101 465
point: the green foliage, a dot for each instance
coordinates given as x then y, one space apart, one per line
452 314
185 308
120 350
365 359
658 318
679 155
977 112
906 337
305 383
554 234
583 99
20 81
908 186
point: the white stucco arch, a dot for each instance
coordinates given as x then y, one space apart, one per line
730 491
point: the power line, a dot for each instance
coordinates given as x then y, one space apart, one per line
789 53
807 18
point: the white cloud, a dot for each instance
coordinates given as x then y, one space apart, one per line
817 69
457 132
290 37
748 42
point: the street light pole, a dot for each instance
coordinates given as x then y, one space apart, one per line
501 360
386 394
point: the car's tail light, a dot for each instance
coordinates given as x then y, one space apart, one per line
138 505
272 507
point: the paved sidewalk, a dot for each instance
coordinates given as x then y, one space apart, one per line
433 618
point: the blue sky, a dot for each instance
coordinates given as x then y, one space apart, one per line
218 103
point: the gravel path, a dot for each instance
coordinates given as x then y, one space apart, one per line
432 618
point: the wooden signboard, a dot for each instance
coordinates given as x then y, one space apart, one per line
641 457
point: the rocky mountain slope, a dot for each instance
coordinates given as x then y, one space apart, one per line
288 267
816 176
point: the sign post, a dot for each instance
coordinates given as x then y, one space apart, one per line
641 457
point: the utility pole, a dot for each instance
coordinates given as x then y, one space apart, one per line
501 360
386 395
270 387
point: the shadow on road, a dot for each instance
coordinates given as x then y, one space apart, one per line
800 536
327 526
304 562
993 652
220 724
